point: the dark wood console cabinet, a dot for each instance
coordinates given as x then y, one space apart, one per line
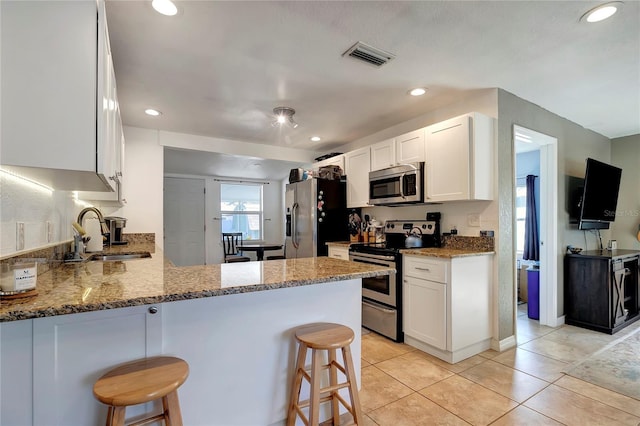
602 289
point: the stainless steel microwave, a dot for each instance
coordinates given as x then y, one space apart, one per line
402 184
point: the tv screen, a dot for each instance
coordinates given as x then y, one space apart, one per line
600 196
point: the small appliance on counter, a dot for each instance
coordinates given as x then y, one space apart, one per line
116 225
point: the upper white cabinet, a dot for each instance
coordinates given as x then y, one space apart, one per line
59 104
459 159
337 160
410 147
357 167
383 154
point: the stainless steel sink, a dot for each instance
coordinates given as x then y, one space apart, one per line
119 256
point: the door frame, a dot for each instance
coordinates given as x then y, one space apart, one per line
548 225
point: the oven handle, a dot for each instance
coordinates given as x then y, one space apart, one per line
378 307
370 261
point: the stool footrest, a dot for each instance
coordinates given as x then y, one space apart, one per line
148 420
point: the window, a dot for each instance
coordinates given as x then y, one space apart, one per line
241 209
521 214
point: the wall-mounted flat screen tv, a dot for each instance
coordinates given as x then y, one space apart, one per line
600 195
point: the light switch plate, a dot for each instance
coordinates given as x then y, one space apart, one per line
19 236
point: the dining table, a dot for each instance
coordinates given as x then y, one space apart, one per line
260 248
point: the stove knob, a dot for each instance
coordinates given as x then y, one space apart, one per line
430 226
425 226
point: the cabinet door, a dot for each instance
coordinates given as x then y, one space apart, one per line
425 311
448 166
410 147
339 252
383 154
72 351
357 164
338 160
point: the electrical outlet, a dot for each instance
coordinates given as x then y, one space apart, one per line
19 236
473 219
49 231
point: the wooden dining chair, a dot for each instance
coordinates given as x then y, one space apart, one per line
232 246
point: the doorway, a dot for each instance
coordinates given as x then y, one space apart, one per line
547 148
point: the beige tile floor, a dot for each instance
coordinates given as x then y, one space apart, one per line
522 386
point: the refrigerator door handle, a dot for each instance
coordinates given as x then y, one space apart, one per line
294 225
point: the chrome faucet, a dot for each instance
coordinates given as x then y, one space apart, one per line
103 226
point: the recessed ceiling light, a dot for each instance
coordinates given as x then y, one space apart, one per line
418 91
315 138
152 112
602 12
165 7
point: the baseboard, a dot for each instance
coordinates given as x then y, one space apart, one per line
504 344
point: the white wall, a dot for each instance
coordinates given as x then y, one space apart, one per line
625 153
143 187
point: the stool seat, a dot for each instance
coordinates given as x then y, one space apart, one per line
143 381
324 335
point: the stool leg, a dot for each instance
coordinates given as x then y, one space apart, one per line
353 385
171 406
117 416
314 398
109 415
333 381
297 384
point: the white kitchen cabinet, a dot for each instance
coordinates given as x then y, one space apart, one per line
58 101
357 167
459 159
410 147
383 154
57 359
447 305
339 252
337 160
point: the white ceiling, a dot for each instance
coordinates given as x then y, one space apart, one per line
219 68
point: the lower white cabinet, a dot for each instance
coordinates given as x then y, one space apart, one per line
339 252
426 311
447 305
59 358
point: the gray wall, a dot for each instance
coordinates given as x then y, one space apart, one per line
575 144
625 153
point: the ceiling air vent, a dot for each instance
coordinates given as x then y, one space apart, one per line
369 54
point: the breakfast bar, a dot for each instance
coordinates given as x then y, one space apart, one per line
232 323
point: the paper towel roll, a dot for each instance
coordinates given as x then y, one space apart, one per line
92 226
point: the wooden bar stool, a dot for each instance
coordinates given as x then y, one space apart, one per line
143 381
320 337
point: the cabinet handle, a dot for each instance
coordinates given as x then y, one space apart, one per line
423 269
153 310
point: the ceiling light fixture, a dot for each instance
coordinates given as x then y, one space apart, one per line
315 138
602 12
418 91
284 115
152 112
165 7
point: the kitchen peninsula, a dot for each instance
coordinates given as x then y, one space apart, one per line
232 323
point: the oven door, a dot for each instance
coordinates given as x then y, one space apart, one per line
381 289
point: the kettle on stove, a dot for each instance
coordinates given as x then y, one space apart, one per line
413 239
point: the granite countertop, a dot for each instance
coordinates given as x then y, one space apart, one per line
90 286
445 252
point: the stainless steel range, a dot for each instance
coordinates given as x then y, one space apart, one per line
382 296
